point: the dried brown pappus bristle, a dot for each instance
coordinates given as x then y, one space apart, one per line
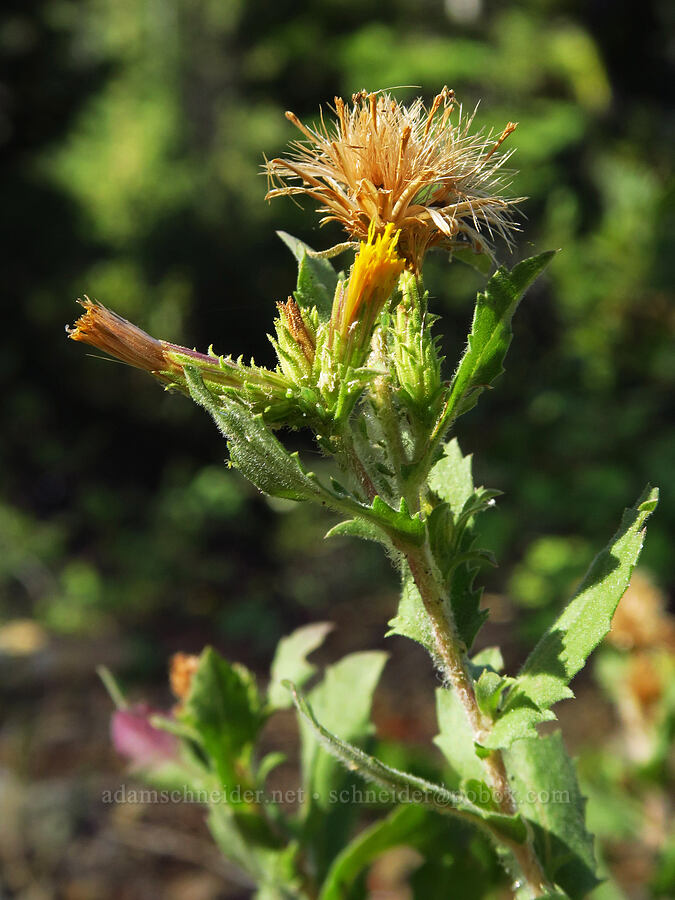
380 162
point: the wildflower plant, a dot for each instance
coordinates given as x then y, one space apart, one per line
358 365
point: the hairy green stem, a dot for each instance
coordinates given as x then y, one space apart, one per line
454 663
452 656
389 423
351 462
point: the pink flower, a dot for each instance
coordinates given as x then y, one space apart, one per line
134 737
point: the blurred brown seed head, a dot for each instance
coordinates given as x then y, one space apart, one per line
644 680
181 671
641 620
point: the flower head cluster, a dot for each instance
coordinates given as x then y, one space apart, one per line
421 170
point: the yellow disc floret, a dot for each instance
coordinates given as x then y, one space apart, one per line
371 282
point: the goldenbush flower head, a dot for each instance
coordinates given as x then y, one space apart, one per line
380 162
371 282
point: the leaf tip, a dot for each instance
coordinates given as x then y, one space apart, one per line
649 499
290 686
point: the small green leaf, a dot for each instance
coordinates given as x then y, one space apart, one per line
518 721
317 279
378 522
224 708
490 335
565 647
489 689
480 794
545 785
455 739
411 619
407 788
343 700
290 661
400 827
481 262
489 658
254 450
361 528
399 521
451 478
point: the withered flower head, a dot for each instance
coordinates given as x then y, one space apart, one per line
105 330
264 390
381 162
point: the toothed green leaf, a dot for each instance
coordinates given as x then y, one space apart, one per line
398 521
290 661
411 619
544 781
225 710
491 334
363 529
254 450
317 278
565 647
452 478
451 535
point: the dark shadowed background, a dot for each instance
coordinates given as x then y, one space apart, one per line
132 136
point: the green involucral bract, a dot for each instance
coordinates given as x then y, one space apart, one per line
414 352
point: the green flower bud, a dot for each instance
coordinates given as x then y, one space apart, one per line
414 351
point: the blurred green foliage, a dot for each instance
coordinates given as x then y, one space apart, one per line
132 135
